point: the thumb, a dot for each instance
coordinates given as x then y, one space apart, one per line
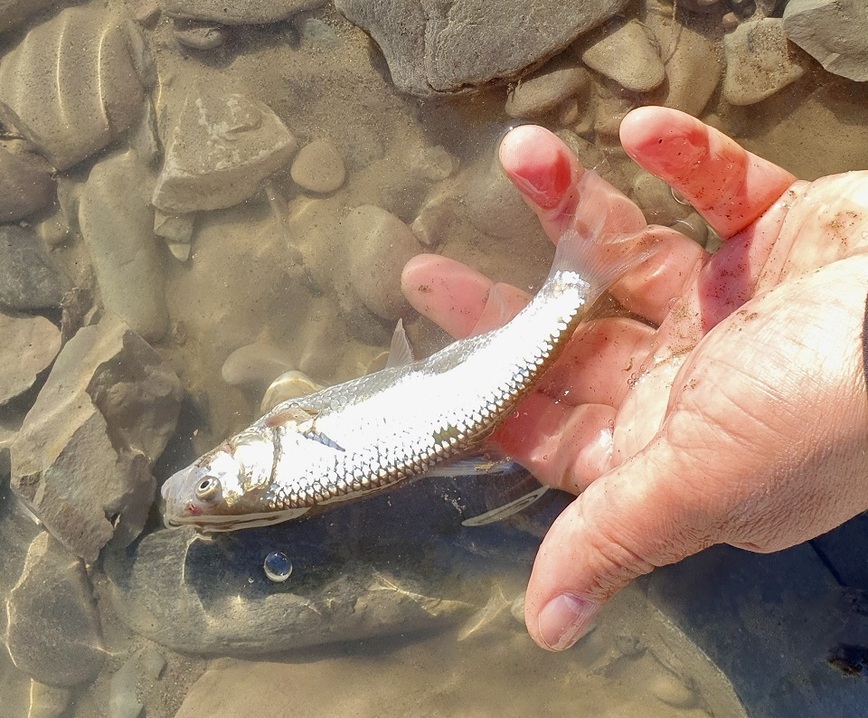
623 525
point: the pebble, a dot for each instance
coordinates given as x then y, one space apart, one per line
81 460
443 48
835 32
693 63
759 62
379 245
25 183
74 84
29 346
117 224
237 12
143 667
433 164
47 701
628 56
546 90
289 385
28 278
177 230
655 198
255 365
199 35
219 150
318 167
54 632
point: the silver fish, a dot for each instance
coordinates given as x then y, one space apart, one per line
367 434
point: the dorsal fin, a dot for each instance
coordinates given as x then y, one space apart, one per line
400 351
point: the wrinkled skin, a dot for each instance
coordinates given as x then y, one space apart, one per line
737 414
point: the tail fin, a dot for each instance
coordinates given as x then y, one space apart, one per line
585 250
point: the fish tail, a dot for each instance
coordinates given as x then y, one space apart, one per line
597 258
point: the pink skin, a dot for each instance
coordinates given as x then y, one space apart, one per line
739 417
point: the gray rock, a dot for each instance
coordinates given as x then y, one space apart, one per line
219 150
238 12
318 167
28 277
25 183
14 12
74 84
117 223
759 62
628 56
29 346
546 90
446 47
47 701
81 458
54 632
379 245
835 32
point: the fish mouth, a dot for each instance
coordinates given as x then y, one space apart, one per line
220 524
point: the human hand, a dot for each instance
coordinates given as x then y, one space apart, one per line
737 414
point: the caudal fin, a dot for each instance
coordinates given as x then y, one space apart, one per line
598 258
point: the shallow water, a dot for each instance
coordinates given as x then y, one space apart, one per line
208 205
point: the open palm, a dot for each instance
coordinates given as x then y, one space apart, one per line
735 414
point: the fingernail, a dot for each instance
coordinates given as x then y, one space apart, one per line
564 620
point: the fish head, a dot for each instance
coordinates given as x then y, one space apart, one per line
224 490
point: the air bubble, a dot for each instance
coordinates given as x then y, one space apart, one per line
277 566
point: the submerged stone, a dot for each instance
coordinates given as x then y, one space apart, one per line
54 632
238 12
25 184
28 278
28 347
628 56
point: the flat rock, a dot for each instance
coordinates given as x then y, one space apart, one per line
28 278
546 90
13 13
81 460
218 151
434 47
53 632
379 245
628 56
117 223
238 12
29 346
835 32
25 184
74 83
759 61
319 167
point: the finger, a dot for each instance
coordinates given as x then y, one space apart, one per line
728 185
547 174
625 524
448 292
503 302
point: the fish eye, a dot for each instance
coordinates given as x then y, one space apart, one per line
208 488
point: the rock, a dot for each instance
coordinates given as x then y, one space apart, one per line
74 84
48 701
319 167
199 35
628 56
117 222
433 164
434 48
289 385
219 150
835 32
13 13
81 458
144 666
54 632
255 365
238 12
656 199
379 245
28 278
546 90
25 183
29 346
759 62
693 63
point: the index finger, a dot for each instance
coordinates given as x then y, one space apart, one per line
729 186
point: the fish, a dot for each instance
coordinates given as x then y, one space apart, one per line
410 419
